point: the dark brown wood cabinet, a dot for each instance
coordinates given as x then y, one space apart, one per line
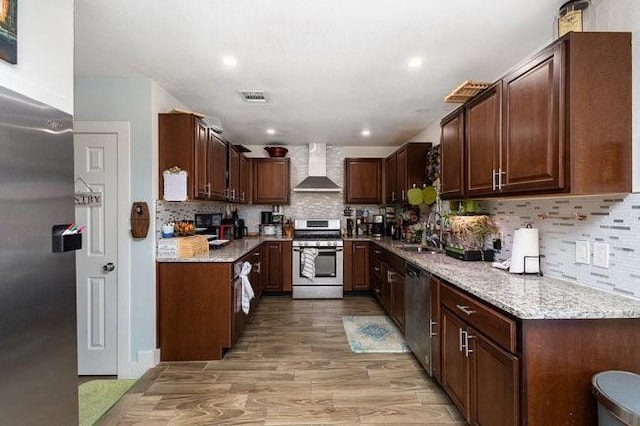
532 154
277 261
233 168
363 180
482 140
479 369
375 271
393 269
455 366
245 180
356 266
195 310
452 155
500 370
271 180
183 142
217 167
560 123
435 329
404 169
390 179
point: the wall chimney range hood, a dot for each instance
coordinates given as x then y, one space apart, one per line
317 181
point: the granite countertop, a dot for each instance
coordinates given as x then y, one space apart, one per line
523 296
228 253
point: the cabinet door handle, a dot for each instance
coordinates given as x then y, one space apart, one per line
467 347
462 339
258 267
375 268
500 173
403 195
377 252
432 326
465 309
493 179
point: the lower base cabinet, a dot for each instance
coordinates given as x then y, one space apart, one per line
200 308
387 282
197 315
503 371
277 262
356 266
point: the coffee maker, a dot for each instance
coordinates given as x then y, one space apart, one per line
377 227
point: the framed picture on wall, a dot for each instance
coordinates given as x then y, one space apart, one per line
9 31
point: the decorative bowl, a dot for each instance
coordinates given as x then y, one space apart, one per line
276 151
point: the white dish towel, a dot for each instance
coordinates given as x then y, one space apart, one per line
247 291
308 260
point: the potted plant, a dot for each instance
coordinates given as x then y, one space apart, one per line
468 235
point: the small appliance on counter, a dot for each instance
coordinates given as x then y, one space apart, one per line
208 224
227 230
377 227
266 218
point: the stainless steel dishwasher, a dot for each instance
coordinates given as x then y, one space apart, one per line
418 314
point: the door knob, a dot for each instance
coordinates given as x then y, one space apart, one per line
109 267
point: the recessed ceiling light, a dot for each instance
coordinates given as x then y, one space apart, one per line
229 61
271 132
366 132
414 63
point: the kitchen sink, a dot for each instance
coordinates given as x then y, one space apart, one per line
420 249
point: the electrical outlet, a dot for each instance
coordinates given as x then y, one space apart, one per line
583 254
601 255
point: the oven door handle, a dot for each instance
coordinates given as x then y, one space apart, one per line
320 250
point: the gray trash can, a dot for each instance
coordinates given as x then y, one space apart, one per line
618 396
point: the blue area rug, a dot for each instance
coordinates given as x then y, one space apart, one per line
371 334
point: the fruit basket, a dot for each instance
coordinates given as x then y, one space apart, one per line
183 229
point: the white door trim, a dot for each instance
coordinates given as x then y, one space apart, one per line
126 368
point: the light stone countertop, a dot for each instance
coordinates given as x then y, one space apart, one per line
228 253
523 296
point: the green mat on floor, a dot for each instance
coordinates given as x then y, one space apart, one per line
97 396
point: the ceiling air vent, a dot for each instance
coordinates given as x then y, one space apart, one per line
254 96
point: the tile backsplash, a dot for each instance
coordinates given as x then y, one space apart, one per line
614 220
302 205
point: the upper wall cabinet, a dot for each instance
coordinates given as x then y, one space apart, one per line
558 124
363 178
183 142
403 169
271 181
452 155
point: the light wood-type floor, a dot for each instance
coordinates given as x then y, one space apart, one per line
291 366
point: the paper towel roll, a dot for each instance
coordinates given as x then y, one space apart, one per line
525 243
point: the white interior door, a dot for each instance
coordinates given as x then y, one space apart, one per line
96 169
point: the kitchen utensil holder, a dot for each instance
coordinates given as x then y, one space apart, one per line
62 243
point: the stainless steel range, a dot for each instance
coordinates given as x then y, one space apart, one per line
317 259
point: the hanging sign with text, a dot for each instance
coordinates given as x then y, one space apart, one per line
88 199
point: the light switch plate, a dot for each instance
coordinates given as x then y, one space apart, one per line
583 254
601 255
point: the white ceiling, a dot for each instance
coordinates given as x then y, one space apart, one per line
331 67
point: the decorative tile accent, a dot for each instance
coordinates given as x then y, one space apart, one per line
614 221
304 205
175 211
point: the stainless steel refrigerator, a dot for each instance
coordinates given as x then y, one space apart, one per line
38 358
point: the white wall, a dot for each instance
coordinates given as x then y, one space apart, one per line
45 53
137 101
